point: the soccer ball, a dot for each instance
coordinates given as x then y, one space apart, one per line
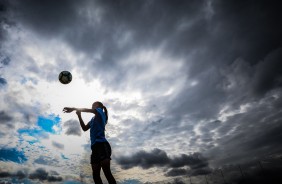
65 77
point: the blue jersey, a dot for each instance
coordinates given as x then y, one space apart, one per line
97 127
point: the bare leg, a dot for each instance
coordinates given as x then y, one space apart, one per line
107 171
96 168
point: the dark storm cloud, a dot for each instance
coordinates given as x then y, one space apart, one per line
4 61
219 33
233 85
215 34
269 73
177 172
47 17
188 172
73 127
42 175
58 145
177 181
3 20
234 31
6 120
19 174
194 161
144 159
270 136
250 29
159 158
5 174
111 29
3 82
255 132
39 174
4 117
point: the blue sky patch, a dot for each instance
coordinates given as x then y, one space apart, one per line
45 126
131 181
72 182
31 132
24 80
37 133
47 123
64 157
11 154
32 142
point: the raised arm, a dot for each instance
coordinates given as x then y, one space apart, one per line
82 124
85 110
70 109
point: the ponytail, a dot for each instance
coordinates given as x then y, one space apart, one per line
106 113
100 104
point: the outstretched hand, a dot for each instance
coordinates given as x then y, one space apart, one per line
68 109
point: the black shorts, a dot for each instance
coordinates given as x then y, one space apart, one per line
100 151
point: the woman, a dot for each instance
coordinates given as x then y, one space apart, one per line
101 149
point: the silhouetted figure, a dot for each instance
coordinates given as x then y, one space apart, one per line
101 149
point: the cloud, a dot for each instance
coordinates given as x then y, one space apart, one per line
247 132
268 74
54 178
57 145
73 127
177 172
144 159
4 174
64 13
4 61
158 158
5 118
19 175
42 175
87 37
46 160
3 82
194 33
39 174
3 19
177 181
194 161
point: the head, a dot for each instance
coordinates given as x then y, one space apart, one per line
97 105
100 105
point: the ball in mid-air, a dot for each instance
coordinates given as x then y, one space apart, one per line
65 77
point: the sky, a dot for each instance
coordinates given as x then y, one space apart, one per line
190 86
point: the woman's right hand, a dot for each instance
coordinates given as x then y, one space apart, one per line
68 109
